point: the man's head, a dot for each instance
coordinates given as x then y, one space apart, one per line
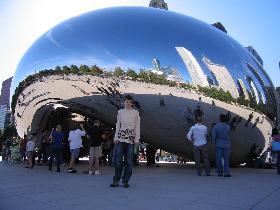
128 101
223 118
58 127
199 120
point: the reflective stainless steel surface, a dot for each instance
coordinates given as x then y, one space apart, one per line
180 48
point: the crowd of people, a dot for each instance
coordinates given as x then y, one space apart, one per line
120 148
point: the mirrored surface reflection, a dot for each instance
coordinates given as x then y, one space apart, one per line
87 63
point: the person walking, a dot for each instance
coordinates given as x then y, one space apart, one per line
127 134
197 135
57 146
220 136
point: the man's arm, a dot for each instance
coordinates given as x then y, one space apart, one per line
189 135
118 125
137 132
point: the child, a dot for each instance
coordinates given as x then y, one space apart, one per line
30 147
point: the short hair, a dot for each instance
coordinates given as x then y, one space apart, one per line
223 118
128 97
199 119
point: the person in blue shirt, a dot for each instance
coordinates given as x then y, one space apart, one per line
220 136
57 146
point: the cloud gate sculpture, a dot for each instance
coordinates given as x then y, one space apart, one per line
165 60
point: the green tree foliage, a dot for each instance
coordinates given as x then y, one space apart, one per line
84 69
9 132
144 75
74 69
131 73
65 70
118 72
96 70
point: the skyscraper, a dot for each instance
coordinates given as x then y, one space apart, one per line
5 102
158 4
196 73
224 78
5 92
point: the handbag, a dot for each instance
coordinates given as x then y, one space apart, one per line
275 146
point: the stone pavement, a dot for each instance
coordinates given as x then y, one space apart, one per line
169 187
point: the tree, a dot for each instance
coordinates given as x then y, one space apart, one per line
96 70
74 69
144 75
131 73
84 68
118 72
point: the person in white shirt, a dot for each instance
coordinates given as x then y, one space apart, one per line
197 134
127 134
30 148
75 142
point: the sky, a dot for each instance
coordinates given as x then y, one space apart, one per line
250 22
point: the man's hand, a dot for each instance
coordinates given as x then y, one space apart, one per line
116 141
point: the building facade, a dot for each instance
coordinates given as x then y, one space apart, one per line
222 75
158 4
5 92
194 69
255 54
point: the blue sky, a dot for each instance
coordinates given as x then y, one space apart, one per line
250 22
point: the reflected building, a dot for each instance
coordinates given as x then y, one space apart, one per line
158 4
255 54
242 88
75 76
194 69
222 75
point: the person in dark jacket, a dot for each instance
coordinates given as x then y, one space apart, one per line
220 136
94 135
57 146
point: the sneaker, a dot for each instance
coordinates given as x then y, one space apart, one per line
90 172
227 175
114 184
125 185
98 172
72 170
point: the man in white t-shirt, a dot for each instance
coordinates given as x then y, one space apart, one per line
197 135
75 142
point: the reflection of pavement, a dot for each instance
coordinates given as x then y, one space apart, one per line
167 187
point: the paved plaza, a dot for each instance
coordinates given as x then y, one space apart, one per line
168 187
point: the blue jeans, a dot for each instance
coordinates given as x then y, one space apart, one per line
222 153
124 160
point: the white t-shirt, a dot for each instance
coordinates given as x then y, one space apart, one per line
30 146
197 134
75 138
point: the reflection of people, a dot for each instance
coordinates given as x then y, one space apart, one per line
197 134
249 119
127 134
198 113
213 104
161 100
220 136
